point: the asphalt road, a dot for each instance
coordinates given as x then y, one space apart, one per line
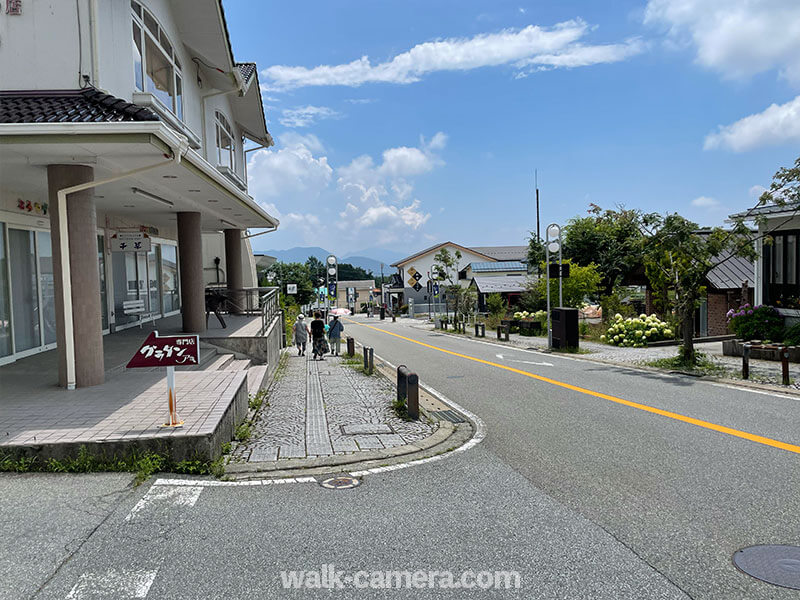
583 496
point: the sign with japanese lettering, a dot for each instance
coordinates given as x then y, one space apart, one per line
167 351
130 241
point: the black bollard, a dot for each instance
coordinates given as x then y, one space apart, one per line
746 361
351 346
785 365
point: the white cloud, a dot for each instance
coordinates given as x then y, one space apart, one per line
288 173
292 139
705 202
303 116
737 38
369 201
460 54
756 191
360 100
578 55
778 124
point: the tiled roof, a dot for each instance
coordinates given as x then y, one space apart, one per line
507 265
490 285
766 210
435 247
69 106
246 69
503 252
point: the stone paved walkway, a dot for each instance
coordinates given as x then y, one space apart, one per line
324 408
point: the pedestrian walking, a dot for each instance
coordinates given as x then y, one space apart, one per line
301 333
335 334
319 344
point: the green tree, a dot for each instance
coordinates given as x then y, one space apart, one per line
283 273
445 266
609 239
496 305
582 283
316 270
678 259
348 272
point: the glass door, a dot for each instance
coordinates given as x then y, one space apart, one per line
24 291
101 262
5 306
47 284
152 280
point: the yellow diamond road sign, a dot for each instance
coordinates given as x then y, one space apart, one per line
411 281
411 271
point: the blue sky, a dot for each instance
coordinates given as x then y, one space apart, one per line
400 124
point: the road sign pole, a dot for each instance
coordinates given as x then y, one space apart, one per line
172 400
560 269
547 286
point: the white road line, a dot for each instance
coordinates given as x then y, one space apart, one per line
214 483
477 438
170 495
113 584
526 362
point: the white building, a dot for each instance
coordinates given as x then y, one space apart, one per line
118 117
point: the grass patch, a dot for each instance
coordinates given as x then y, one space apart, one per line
144 465
571 350
243 432
255 401
703 365
401 409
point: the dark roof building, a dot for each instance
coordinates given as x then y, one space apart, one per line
69 106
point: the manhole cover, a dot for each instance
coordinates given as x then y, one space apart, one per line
778 565
340 483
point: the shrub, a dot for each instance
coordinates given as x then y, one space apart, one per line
791 337
756 323
636 332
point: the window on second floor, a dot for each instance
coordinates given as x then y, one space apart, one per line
225 145
157 69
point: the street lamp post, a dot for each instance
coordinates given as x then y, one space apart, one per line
552 245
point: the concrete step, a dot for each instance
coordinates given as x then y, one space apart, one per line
256 378
206 354
238 364
219 362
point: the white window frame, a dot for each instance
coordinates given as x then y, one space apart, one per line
223 125
138 13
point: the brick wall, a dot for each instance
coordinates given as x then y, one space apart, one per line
719 303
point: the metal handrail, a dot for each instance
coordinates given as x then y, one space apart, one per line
270 307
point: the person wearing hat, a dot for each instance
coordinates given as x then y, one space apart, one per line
301 333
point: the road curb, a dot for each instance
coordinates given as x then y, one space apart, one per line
736 383
448 437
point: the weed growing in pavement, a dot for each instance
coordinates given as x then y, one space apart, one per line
144 465
571 350
704 365
243 432
401 409
256 400
281 370
226 448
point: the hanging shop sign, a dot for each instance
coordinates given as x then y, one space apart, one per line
130 241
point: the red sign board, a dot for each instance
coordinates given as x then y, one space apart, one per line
167 351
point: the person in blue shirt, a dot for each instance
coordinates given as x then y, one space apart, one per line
335 334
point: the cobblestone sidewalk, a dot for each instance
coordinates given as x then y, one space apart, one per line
324 408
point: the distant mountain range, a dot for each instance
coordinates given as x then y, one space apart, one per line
369 259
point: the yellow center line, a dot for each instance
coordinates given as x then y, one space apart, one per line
664 413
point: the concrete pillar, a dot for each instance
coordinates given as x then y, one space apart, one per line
233 269
85 278
190 261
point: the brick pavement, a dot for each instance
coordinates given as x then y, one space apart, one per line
327 408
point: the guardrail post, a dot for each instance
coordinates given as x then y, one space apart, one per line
402 383
476 329
499 332
483 330
369 360
412 404
785 364
746 361
351 346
